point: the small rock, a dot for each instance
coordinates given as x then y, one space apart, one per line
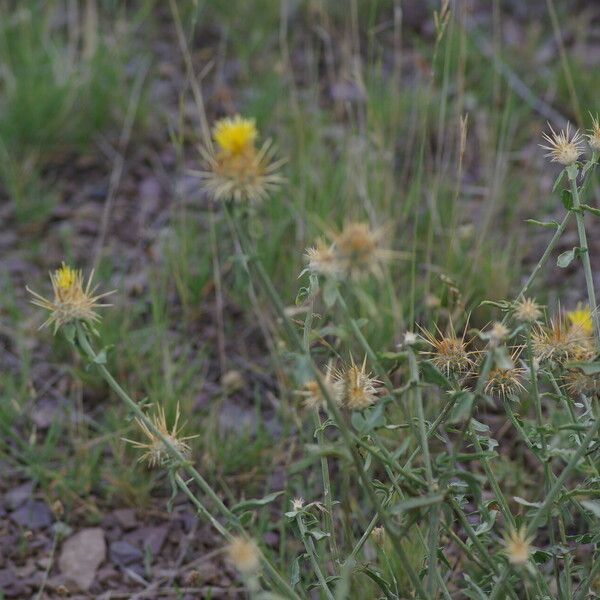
34 514
18 495
125 517
124 553
81 556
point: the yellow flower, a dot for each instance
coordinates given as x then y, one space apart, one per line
564 147
235 135
581 318
72 300
157 452
65 277
518 546
244 555
238 170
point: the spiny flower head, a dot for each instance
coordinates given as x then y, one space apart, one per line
359 387
505 381
238 170
157 454
449 354
564 147
244 555
577 383
72 300
297 503
313 395
561 342
235 135
527 310
594 134
518 546
581 317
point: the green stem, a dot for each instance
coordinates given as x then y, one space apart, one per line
434 513
585 254
312 555
548 475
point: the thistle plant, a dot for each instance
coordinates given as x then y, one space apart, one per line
413 497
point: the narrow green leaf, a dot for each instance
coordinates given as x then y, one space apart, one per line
549 224
591 209
255 502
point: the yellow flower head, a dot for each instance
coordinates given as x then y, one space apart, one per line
581 318
72 300
238 170
235 135
518 546
564 147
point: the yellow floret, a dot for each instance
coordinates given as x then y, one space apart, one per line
65 277
235 135
581 318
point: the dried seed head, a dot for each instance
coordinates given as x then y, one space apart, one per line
578 384
244 555
527 310
72 300
594 134
238 170
564 147
410 338
518 546
497 334
323 260
157 454
358 250
313 395
449 354
378 536
359 388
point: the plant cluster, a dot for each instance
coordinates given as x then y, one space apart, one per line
405 427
